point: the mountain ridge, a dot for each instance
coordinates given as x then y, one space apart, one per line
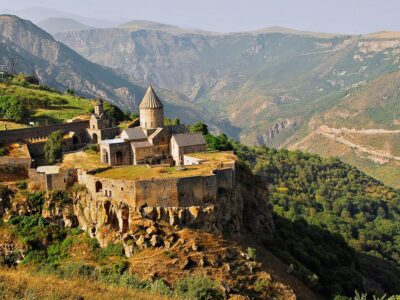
54 25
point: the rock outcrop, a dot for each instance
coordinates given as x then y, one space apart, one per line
242 209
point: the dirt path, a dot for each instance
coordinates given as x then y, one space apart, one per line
334 134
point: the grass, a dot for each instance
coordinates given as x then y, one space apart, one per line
17 150
215 156
213 160
83 159
52 113
141 172
10 125
23 284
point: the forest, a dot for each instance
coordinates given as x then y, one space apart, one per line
334 224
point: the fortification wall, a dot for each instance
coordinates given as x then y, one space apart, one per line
122 190
173 192
225 178
157 192
40 132
50 182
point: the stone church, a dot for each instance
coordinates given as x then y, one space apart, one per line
150 143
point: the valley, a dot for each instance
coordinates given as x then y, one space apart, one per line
262 164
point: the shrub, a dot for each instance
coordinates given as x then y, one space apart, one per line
10 259
198 288
251 253
9 169
3 152
133 282
92 148
12 108
159 287
77 269
22 184
261 284
112 249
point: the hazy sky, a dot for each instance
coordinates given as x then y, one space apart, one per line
338 16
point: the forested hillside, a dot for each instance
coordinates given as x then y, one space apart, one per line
338 227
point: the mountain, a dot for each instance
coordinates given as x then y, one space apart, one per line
37 14
54 25
269 87
36 52
150 25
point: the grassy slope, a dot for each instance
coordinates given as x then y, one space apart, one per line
53 113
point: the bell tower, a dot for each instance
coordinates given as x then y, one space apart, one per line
99 107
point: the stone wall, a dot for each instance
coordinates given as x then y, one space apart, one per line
37 148
157 192
49 182
21 163
173 192
16 135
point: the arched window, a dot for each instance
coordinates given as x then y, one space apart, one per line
105 156
98 186
75 140
95 138
118 158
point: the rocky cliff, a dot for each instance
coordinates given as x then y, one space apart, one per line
244 209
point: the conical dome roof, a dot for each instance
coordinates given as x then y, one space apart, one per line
150 100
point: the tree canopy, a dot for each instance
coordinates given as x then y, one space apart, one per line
53 148
12 108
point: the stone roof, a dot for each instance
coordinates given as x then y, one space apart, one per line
150 100
176 129
48 170
189 139
144 144
155 133
135 133
113 141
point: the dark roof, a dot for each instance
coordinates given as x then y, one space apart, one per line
177 129
135 133
150 100
189 139
144 144
155 133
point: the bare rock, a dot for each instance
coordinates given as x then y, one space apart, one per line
155 241
151 230
140 242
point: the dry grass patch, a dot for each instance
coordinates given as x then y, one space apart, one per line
83 159
11 125
142 172
22 284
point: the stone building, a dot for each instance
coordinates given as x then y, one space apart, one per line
152 142
100 124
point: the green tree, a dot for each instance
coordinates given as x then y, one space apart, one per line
199 127
167 121
53 147
12 108
176 121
